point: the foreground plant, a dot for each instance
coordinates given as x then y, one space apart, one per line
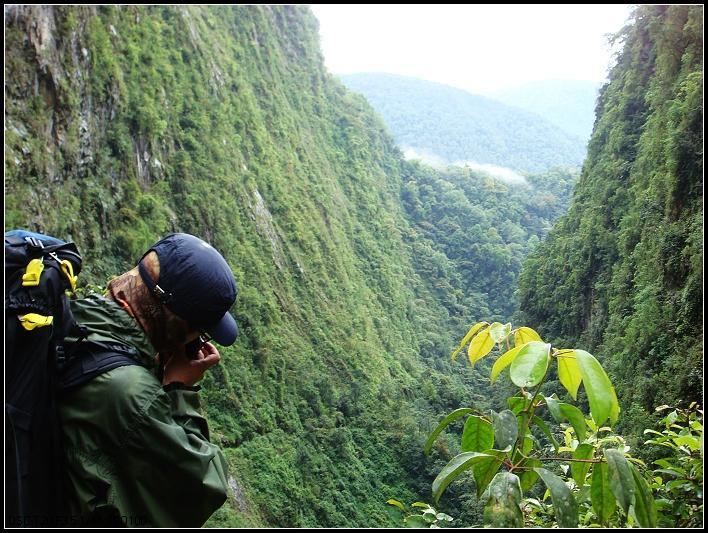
420 515
678 481
599 483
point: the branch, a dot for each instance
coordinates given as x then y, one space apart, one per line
571 460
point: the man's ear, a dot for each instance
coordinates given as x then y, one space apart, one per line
123 303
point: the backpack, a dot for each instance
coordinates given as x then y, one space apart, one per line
39 270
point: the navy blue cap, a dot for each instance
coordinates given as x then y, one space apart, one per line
196 284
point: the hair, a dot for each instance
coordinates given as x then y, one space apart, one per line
165 330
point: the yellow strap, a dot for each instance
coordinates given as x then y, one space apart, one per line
34 270
68 270
33 320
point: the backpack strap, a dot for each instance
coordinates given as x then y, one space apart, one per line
91 359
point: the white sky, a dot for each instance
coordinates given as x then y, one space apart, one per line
480 48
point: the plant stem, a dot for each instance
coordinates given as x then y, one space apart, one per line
571 460
527 413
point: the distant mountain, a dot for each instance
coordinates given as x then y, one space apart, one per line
454 125
569 104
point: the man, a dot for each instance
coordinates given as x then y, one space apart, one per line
138 451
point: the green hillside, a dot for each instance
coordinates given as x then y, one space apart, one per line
454 125
471 233
568 104
622 272
125 123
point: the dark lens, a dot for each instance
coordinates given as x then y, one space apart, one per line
191 349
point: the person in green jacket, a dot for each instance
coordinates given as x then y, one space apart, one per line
137 449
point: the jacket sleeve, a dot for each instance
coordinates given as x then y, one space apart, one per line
180 477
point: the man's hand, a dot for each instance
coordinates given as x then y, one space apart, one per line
188 371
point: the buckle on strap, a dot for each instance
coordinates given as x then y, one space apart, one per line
31 321
68 270
34 242
159 293
33 273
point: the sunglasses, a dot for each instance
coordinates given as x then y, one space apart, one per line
192 348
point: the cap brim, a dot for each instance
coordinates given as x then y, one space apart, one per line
225 331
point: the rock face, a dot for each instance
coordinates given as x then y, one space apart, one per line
264 224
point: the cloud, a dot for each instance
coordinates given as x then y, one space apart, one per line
500 173
428 158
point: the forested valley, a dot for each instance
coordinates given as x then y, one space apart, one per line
360 272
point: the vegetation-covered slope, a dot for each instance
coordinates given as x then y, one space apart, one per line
125 123
621 273
454 125
569 104
471 233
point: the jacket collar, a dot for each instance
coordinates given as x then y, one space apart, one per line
107 321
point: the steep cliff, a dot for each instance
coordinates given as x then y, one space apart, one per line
125 123
622 273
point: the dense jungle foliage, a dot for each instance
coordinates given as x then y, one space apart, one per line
621 273
471 233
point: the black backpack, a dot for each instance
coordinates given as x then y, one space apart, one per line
39 270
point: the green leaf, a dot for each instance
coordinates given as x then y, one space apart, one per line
601 393
675 472
569 372
583 494
644 507
480 346
524 335
603 501
527 445
457 413
621 480
478 435
503 504
663 463
564 411
506 430
453 469
546 430
485 471
498 332
504 361
517 404
687 440
564 504
397 504
529 477
530 365
678 484
670 418
474 329
416 521
421 504
576 418
578 469
554 408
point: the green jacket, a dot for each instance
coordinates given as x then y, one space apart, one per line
137 453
